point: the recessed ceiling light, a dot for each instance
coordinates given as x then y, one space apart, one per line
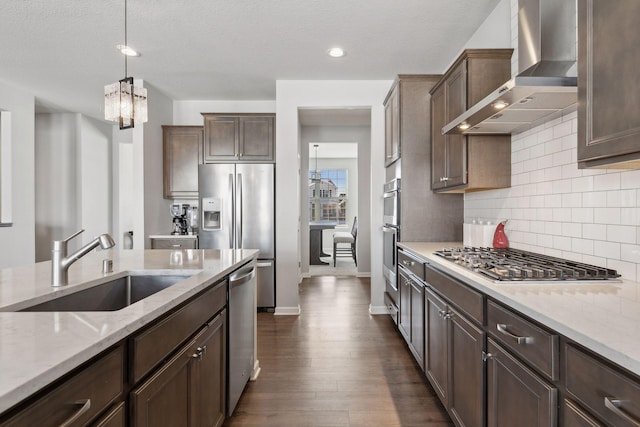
336 52
463 126
127 50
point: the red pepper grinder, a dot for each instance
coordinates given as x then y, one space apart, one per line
499 237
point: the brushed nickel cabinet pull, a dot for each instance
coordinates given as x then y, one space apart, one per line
615 406
85 405
502 328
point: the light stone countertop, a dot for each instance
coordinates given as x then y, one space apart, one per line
603 317
36 348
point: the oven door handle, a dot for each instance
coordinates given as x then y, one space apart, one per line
386 229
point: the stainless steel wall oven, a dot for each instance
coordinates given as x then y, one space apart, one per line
391 235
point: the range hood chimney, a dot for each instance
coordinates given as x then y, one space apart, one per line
546 82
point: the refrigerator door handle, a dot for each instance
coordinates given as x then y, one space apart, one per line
240 221
230 209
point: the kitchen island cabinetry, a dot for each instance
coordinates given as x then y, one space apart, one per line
91 390
608 103
189 389
182 152
461 163
239 138
173 242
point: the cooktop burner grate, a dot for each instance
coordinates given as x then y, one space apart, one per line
518 265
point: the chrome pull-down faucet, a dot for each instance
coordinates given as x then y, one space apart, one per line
60 262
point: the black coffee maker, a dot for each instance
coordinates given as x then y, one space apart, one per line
179 214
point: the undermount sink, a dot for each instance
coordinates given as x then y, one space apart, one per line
111 296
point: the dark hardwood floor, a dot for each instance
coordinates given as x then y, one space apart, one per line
335 365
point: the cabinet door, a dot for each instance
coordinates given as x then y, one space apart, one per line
438 140
208 376
116 417
221 138
417 321
516 396
256 138
163 400
456 160
573 416
182 146
404 288
466 343
436 347
392 128
608 86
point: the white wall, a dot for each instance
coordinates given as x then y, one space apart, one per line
290 96
157 219
72 180
17 241
189 112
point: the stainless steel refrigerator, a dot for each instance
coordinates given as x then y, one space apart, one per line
237 211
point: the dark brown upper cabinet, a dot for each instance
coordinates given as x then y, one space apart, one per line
242 138
608 84
461 163
182 152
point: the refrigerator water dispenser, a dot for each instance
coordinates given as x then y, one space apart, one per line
211 213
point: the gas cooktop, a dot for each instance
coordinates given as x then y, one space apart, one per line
508 264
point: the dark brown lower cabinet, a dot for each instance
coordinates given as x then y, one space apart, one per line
573 416
453 361
517 396
116 417
189 389
404 289
417 321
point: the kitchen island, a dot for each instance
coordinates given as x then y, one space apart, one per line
38 348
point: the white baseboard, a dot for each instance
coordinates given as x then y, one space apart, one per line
287 311
364 274
256 370
306 276
378 309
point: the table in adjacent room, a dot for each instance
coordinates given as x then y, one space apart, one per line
315 241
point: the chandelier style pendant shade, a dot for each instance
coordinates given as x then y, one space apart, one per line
125 103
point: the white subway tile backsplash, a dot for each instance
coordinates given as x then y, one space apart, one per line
621 233
582 214
582 246
589 215
594 231
594 199
606 249
562 214
630 253
606 215
630 179
571 229
606 182
572 200
580 185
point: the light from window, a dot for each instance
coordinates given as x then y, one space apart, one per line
328 195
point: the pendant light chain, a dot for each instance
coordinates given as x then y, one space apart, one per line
126 42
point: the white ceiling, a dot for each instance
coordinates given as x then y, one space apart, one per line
333 150
63 51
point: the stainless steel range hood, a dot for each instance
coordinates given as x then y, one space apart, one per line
546 83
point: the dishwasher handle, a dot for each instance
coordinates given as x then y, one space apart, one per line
243 275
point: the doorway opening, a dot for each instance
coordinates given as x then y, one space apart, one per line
334 147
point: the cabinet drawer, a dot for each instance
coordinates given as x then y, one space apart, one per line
154 344
116 417
411 263
176 243
609 394
573 416
80 398
459 294
536 346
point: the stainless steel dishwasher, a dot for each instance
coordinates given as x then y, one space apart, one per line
242 288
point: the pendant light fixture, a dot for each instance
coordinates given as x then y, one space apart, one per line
125 103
